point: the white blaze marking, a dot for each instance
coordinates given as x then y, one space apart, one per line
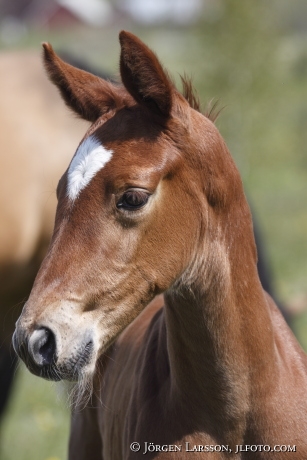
90 157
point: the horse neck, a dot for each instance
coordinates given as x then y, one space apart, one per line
214 320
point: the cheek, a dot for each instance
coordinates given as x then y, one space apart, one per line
114 260
165 251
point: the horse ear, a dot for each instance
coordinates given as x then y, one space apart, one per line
143 75
87 95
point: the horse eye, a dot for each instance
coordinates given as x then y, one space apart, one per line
133 199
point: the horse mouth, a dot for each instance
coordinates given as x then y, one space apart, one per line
73 369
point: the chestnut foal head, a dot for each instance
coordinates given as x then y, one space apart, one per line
133 211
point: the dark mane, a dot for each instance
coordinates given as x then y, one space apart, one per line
212 110
189 92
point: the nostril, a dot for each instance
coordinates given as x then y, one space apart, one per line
42 346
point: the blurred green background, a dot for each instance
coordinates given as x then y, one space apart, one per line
252 57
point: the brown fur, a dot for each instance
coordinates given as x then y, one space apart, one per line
217 364
144 79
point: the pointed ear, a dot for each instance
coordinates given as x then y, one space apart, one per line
87 95
143 75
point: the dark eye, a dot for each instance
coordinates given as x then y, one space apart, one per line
133 199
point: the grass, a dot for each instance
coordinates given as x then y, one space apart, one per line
36 423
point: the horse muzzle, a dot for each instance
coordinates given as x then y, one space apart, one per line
38 350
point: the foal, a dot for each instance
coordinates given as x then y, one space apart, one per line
152 203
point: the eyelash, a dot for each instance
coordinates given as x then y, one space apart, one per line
133 199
